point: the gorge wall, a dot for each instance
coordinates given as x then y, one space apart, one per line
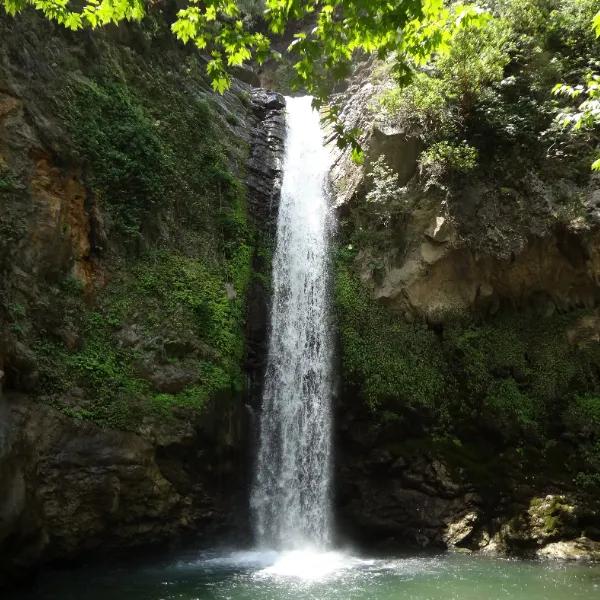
136 235
137 221
467 313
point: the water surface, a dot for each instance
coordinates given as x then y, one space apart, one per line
303 575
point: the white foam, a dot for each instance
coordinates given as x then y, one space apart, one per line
310 565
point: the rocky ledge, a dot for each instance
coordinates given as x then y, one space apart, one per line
418 500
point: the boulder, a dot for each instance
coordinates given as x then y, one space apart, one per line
579 549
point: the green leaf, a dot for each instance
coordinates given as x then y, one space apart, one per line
73 21
358 156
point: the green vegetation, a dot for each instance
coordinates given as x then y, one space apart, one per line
586 117
509 386
130 167
582 416
491 95
555 514
231 34
7 179
386 199
343 27
393 363
479 62
512 378
492 156
153 325
137 156
165 312
159 329
6 184
443 159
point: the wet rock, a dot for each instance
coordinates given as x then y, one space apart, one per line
264 177
459 530
403 502
246 75
552 517
266 155
578 549
69 485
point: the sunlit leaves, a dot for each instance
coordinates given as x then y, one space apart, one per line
73 21
410 30
218 74
12 7
92 13
216 24
587 114
187 25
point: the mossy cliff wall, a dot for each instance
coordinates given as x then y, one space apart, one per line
469 355
135 235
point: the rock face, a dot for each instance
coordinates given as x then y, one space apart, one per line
123 446
266 157
579 549
439 276
415 497
476 250
424 455
74 487
264 186
410 501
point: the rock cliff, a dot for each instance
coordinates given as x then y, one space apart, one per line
137 221
468 323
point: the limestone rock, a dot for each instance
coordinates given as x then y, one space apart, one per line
551 517
578 549
459 530
399 149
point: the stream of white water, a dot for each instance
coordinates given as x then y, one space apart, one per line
291 493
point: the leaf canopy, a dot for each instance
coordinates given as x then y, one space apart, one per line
411 30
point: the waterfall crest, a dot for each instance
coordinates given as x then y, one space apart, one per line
291 494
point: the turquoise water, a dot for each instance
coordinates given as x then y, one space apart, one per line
323 576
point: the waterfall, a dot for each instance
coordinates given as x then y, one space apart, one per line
291 493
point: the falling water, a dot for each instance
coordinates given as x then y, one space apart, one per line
291 495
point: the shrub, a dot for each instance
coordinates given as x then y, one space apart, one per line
511 409
492 91
386 197
393 363
583 415
129 165
443 159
